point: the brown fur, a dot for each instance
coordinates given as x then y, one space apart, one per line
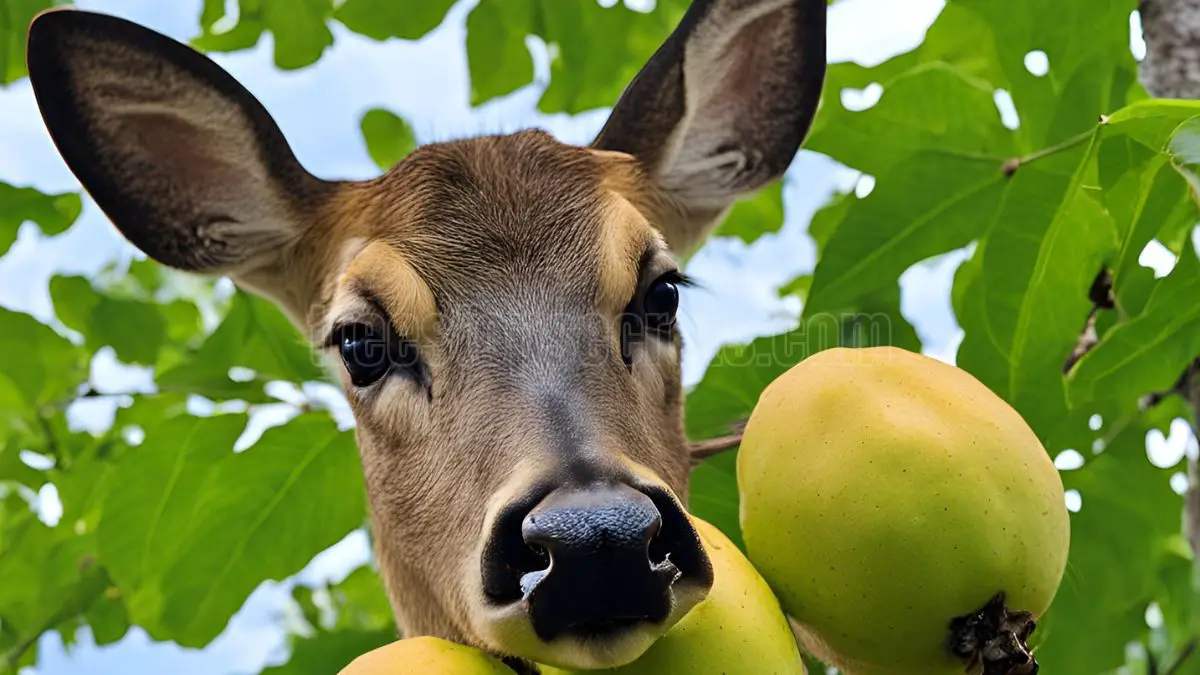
514 256
508 260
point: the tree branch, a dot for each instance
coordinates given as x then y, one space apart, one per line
702 450
1184 653
1101 295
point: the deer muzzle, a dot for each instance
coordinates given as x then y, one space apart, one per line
595 568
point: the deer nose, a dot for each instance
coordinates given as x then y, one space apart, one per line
596 560
616 523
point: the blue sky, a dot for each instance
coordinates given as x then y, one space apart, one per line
426 82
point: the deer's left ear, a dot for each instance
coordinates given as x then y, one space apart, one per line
182 158
722 108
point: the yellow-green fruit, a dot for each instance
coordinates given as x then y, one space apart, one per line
425 656
884 494
738 629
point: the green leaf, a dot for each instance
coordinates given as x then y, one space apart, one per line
108 618
262 514
134 329
303 597
902 222
299 27
738 373
83 476
383 19
1153 123
1149 352
330 652
1128 518
211 12
1029 300
829 218
797 287
596 50
497 57
1162 201
361 601
824 223
50 577
300 30
244 35
148 411
254 335
934 110
37 366
1025 305
1179 599
14 470
1145 192
935 144
149 512
751 218
15 16
736 376
175 295
389 138
1098 74
713 495
1087 78
52 213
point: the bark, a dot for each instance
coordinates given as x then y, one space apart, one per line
1189 387
1171 28
1171 69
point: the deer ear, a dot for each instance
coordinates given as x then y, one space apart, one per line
183 160
722 108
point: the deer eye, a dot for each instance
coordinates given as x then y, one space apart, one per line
652 314
371 351
660 304
365 353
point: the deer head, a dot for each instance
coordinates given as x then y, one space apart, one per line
500 310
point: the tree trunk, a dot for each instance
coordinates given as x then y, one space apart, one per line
1171 28
1171 69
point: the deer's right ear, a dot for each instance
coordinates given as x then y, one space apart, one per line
722 107
186 163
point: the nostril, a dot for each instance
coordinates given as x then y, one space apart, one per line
676 540
659 551
507 557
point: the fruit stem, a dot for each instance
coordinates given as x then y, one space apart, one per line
993 640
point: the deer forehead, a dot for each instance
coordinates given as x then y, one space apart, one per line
456 224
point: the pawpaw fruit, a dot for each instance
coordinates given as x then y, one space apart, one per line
738 629
424 656
901 510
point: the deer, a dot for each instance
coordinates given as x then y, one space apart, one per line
500 310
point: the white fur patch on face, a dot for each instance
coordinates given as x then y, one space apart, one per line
653 365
